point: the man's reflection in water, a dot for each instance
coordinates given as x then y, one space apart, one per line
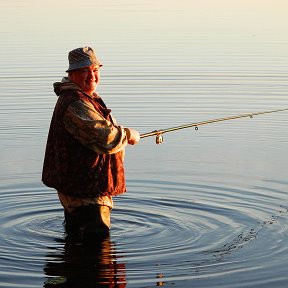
85 264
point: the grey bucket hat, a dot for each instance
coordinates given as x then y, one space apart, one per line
82 57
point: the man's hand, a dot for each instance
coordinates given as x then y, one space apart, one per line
133 136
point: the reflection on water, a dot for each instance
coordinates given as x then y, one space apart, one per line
85 265
163 233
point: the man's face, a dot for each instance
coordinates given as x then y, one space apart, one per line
86 78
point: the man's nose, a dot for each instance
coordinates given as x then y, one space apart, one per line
91 75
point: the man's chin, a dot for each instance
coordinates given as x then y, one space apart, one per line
90 89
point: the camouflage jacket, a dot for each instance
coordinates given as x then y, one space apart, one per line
85 146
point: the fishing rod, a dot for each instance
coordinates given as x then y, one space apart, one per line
159 133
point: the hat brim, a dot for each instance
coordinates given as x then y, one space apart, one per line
78 66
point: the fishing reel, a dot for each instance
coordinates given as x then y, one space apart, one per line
159 138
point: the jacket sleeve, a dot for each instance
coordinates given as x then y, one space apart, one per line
92 129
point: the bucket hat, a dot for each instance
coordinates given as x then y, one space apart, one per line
82 57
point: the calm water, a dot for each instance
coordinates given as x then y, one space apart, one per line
207 208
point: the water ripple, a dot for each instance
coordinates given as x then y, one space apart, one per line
173 232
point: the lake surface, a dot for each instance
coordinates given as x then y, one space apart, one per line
207 208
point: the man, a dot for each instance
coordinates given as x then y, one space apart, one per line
85 148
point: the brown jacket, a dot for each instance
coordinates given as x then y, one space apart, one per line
74 167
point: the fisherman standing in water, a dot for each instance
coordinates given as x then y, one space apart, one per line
85 148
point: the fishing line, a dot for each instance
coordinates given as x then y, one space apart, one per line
159 133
